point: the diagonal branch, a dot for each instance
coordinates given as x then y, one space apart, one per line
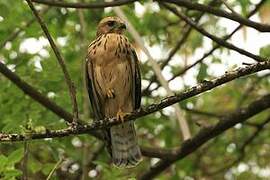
221 13
183 38
35 94
229 7
161 153
185 34
243 147
60 60
208 133
203 113
212 37
84 5
105 123
258 6
253 85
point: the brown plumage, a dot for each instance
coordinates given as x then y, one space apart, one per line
114 88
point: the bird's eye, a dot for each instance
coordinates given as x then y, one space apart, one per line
110 23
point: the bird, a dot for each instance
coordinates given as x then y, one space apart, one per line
114 87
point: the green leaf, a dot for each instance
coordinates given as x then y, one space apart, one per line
34 165
15 156
244 4
101 164
3 161
46 169
12 173
265 51
202 72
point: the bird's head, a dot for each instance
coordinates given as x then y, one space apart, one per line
111 25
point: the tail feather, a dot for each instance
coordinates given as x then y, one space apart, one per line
125 150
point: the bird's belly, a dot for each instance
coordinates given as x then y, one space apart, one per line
119 79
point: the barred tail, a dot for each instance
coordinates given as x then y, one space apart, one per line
125 149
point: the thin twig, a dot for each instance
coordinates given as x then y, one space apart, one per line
218 40
85 98
161 153
210 114
258 6
84 169
221 13
250 89
60 60
37 96
229 7
25 161
54 168
84 5
185 34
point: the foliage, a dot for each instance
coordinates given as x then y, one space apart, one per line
7 165
38 66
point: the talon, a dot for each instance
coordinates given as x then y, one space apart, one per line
120 115
110 93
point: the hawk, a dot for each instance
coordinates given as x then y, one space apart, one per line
114 88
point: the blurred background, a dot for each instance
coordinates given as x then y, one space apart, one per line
243 152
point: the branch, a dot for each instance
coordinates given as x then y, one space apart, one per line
83 46
91 5
208 133
40 98
221 13
203 113
160 153
24 163
242 149
258 6
184 37
185 34
35 94
259 129
145 91
60 60
212 37
229 7
108 122
252 86
55 167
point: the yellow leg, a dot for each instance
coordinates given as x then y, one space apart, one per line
110 93
120 115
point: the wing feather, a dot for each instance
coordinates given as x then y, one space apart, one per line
94 96
96 101
136 77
